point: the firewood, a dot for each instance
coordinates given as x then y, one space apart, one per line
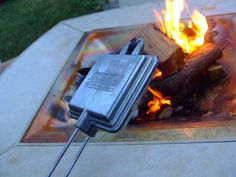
215 72
165 113
170 54
180 84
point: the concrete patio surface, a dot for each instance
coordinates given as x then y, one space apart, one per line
117 160
25 84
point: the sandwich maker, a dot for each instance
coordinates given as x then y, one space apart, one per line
110 93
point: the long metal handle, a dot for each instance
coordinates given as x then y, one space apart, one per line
73 136
77 157
139 47
133 47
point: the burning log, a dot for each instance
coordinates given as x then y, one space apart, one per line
170 54
180 84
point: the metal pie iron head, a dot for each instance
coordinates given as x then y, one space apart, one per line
112 88
109 94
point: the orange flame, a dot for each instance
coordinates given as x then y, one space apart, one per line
158 100
157 74
190 36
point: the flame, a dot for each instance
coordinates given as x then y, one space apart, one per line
157 74
155 104
190 36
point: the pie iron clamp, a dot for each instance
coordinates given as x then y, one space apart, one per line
110 93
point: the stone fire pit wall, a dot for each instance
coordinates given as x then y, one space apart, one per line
25 84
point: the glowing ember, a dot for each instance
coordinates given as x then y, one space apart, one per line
189 36
157 74
158 100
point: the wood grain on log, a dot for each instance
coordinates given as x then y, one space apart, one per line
170 54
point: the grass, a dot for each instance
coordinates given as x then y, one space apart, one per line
23 21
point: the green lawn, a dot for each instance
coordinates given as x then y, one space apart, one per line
23 21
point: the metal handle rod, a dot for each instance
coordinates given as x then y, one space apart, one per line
125 49
77 157
139 47
64 150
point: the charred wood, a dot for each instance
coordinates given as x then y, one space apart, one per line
182 83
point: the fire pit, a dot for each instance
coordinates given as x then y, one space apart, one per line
149 147
207 113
